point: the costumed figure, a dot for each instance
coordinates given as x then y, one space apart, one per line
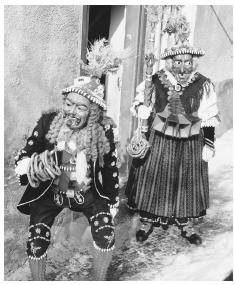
69 161
169 185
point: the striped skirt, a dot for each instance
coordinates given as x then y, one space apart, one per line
173 179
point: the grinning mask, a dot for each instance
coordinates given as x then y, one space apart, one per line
76 110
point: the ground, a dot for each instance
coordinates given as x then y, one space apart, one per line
164 256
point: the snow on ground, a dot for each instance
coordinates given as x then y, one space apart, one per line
165 255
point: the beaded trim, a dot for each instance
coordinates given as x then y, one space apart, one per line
46 226
39 237
98 214
182 224
153 220
103 249
38 258
91 96
182 50
105 226
68 168
165 223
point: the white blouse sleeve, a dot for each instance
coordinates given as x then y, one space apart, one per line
139 98
208 110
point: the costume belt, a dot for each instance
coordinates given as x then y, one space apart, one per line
72 192
64 186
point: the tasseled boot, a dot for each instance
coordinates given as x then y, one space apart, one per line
102 260
144 232
38 268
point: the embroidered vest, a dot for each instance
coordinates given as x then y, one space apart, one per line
176 106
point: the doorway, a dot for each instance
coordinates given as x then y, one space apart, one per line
98 26
99 22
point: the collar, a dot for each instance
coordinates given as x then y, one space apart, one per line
173 80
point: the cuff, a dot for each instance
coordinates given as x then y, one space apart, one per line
22 180
209 134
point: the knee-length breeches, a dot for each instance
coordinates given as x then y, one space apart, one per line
44 211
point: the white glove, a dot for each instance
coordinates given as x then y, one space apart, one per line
144 112
22 166
207 153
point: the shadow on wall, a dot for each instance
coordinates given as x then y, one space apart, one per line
224 90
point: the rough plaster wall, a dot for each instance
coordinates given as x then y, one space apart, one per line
42 49
224 91
217 63
209 35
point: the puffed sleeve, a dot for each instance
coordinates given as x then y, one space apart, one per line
110 171
208 110
34 143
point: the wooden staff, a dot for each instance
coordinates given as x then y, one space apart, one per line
139 146
148 89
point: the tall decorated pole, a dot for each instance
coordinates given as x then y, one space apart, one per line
139 146
149 61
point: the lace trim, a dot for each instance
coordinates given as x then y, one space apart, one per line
212 122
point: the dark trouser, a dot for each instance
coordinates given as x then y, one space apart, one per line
44 211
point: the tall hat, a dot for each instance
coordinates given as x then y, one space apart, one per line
181 30
101 60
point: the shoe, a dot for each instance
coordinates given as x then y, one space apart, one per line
193 238
142 236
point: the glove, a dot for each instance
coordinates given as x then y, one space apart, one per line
144 112
209 149
207 153
22 166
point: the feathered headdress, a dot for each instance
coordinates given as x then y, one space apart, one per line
101 59
181 30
